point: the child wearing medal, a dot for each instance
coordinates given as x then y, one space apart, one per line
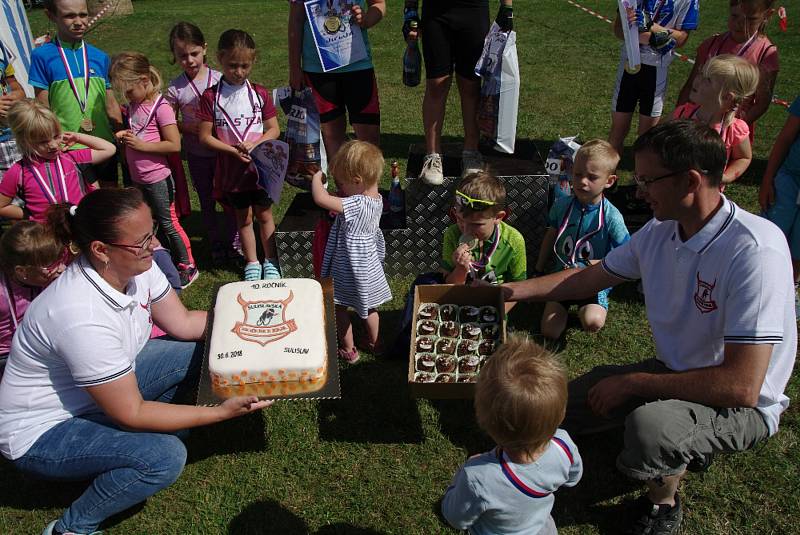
189 48
725 83
663 26
520 401
31 257
746 37
71 77
582 229
152 135
235 116
48 172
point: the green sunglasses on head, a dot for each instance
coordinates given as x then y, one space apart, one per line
462 199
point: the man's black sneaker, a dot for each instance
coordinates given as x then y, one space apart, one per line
656 519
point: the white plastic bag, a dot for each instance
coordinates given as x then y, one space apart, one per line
499 68
559 165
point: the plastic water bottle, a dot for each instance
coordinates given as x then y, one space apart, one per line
412 61
395 192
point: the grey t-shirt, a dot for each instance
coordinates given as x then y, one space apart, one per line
492 495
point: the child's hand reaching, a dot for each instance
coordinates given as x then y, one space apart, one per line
462 256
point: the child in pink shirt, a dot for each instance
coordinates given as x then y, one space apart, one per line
153 134
47 174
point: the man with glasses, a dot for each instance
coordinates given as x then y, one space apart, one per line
717 282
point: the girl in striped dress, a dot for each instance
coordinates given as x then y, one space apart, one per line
355 249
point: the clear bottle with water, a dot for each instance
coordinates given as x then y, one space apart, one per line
395 192
412 61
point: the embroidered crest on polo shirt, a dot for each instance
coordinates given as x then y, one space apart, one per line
702 295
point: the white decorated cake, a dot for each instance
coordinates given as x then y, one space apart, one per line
269 331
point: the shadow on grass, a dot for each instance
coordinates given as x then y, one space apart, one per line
241 435
270 517
22 492
376 406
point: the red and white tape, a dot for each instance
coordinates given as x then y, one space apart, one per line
682 57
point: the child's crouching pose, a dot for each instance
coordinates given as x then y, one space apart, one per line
582 229
236 115
725 83
355 250
520 400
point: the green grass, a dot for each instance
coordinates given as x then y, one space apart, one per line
377 461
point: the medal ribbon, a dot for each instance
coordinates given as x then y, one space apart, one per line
656 10
578 242
150 115
239 135
46 189
517 482
193 87
745 47
487 255
71 77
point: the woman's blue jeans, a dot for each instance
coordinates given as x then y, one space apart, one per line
126 466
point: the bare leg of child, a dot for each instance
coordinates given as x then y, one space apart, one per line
372 324
554 320
593 317
620 126
345 328
244 220
266 230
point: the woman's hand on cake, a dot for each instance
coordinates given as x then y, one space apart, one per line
241 405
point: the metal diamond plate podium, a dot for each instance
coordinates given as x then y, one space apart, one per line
414 238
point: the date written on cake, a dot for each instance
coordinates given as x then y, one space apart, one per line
229 354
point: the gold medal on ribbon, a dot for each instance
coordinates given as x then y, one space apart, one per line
87 125
332 23
631 71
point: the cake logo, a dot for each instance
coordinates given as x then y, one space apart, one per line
264 321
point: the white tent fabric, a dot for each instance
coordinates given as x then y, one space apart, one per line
15 33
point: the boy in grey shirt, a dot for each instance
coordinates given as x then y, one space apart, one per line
520 399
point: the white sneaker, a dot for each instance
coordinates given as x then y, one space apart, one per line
471 162
432 169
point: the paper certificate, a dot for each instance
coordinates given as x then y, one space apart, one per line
338 42
631 33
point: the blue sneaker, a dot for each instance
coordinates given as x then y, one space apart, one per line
252 271
270 271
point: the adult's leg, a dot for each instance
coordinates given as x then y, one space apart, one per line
433 111
126 467
620 126
167 369
623 103
470 91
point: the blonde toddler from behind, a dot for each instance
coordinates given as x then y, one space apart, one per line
520 400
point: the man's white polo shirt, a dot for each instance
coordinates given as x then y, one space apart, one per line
731 283
78 333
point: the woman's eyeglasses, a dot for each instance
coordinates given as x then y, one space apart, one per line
138 248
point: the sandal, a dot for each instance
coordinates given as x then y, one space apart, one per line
376 347
350 357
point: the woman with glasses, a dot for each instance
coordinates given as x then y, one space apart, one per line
87 395
31 257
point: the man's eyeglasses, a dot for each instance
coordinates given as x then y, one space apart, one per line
462 199
643 184
139 248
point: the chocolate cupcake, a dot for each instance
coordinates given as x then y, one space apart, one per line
469 364
470 331
467 378
445 364
446 346
487 347
424 377
448 329
428 311
491 331
467 347
468 314
488 315
448 312
426 328
425 344
426 362
445 378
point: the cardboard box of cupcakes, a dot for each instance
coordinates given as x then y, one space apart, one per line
455 330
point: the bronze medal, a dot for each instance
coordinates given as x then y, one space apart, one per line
87 125
631 71
332 24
